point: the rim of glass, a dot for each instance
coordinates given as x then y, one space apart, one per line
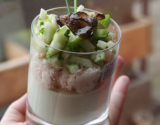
70 52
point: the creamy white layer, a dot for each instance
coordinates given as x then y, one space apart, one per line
68 109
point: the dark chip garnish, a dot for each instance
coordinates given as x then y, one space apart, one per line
81 15
81 28
80 23
100 16
63 19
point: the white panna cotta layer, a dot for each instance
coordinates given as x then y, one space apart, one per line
62 108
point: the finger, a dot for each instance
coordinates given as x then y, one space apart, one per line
16 111
118 67
108 122
118 96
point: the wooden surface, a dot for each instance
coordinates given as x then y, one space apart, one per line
136 39
13 79
14 51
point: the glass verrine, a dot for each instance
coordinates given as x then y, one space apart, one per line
56 96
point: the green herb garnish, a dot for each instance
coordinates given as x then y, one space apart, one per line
105 22
73 47
58 30
42 30
69 10
67 33
75 6
106 47
42 23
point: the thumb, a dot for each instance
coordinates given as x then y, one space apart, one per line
117 100
16 111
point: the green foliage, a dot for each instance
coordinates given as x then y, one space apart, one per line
42 30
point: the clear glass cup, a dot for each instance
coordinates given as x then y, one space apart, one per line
57 97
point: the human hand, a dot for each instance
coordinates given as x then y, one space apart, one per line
16 113
118 95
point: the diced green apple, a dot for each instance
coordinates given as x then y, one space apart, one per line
110 43
54 22
80 8
39 45
100 26
63 31
81 61
100 57
93 57
109 56
105 22
49 31
55 62
59 42
102 33
104 45
72 68
110 36
42 14
87 46
74 41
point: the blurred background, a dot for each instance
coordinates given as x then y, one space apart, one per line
140 24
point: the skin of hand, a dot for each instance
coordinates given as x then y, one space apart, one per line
16 113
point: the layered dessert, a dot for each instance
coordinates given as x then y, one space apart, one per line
70 56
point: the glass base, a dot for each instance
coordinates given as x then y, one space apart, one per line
32 119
